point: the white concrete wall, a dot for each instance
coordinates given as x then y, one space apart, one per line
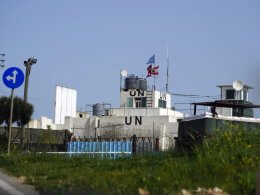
126 122
163 127
82 114
33 124
43 123
145 112
161 95
224 111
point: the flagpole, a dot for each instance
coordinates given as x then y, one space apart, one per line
167 82
120 87
154 75
120 80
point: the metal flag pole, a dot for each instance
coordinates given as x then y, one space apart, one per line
120 80
120 85
154 75
167 74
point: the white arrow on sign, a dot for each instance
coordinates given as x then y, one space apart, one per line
9 77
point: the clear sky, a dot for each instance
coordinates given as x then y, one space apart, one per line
83 45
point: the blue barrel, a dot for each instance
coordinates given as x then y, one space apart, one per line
74 146
69 147
111 149
78 146
83 147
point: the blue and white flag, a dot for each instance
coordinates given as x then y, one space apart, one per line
151 60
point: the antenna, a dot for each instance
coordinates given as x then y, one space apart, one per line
2 60
238 85
167 74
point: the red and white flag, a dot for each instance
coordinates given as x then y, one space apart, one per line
152 70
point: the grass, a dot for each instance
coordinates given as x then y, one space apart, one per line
229 160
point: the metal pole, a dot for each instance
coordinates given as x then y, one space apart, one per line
120 86
154 76
28 64
26 83
10 122
167 82
120 81
154 82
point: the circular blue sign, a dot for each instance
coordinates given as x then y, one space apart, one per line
13 77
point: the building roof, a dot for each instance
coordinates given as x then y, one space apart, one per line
231 86
227 104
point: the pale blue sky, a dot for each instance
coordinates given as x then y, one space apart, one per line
83 44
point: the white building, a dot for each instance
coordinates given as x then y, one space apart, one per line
142 112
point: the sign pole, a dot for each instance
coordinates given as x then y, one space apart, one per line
10 121
13 78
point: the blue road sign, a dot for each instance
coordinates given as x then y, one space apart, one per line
13 77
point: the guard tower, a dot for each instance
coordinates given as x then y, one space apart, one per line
233 101
135 94
237 91
235 94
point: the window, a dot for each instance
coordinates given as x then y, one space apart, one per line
247 112
161 103
230 94
129 102
143 102
237 112
245 95
140 102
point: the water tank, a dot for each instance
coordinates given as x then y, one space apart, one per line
98 109
131 82
143 84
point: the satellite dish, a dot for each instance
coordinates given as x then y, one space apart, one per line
238 85
123 73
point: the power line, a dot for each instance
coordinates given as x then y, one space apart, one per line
195 96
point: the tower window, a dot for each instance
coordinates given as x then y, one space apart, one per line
230 94
245 95
161 103
129 102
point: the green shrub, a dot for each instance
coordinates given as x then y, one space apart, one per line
228 160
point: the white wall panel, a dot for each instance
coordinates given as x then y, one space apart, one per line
65 103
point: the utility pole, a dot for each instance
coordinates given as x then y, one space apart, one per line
28 65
